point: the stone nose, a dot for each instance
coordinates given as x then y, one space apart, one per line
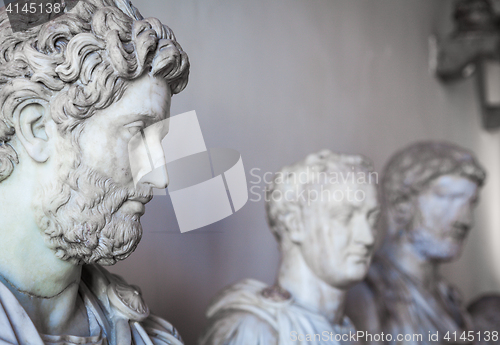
158 178
363 232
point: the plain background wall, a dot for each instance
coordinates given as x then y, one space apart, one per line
279 79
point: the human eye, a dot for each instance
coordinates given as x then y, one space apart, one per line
443 194
344 216
373 216
135 127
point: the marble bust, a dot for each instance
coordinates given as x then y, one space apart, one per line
485 314
321 211
429 191
73 91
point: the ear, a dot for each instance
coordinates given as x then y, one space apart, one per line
31 131
292 221
403 211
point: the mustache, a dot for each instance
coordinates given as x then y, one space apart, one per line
90 189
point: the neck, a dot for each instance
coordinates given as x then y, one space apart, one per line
307 289
45 286
47 289
404 255
64 313
29 265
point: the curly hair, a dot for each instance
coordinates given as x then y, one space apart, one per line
411 170
317 168
81 62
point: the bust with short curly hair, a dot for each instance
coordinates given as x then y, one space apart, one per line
322 210
429 191
73 91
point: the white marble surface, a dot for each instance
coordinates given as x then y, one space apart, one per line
429 192
323 219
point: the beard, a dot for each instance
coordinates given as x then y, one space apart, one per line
435 244
80 217
443 250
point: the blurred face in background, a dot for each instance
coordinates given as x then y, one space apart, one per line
443 216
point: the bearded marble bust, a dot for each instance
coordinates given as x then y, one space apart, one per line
73 92
429 191
321 211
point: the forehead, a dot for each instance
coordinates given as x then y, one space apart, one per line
453 184
346 195
147 95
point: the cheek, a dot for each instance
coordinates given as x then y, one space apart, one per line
336 241
108 154
318 248
435 212
448 214
121 161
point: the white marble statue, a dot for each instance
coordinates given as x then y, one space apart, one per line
321 211
429 191
485 314
73 92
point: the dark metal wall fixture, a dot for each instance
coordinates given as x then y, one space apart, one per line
473 48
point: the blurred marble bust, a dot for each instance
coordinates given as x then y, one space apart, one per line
73 92
485 314
321 211
429 191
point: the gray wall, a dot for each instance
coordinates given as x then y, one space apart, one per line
279 79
